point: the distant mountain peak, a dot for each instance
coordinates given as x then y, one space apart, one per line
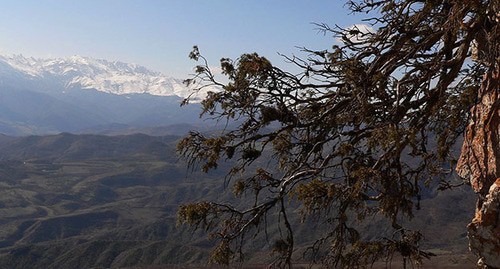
113 77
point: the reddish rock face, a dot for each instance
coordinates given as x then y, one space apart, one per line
480 163
484 230
480 158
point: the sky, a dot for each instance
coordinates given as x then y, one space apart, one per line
159 34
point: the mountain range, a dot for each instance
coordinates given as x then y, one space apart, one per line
90 200
44 96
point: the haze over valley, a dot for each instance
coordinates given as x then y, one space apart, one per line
82 94
70 200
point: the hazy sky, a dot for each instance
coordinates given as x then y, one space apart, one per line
159 34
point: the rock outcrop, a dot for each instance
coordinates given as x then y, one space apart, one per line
484 230
480 164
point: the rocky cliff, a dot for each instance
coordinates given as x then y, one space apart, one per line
480 164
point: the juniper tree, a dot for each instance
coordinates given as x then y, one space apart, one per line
358 132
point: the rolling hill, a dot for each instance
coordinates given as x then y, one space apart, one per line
93 201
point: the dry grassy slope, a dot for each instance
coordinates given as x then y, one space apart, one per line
70 201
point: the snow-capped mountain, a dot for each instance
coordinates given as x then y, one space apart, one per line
101 75
40 96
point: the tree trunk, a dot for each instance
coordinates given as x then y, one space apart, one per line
480 163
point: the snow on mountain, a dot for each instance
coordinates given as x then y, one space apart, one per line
105 76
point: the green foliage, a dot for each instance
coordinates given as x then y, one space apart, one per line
357 134
195 214
316 195
222 254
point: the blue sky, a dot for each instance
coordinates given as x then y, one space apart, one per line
159 34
